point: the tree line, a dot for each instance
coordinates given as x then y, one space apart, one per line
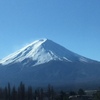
23 93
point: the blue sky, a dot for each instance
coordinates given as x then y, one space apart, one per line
75 24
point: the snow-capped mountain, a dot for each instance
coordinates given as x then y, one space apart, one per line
45 62
42 51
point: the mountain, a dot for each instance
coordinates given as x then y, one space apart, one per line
43 51
45 62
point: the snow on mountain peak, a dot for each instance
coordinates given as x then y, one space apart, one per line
42 51
28 51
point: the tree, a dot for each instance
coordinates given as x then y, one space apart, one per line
36 94
21 91
14 94
5 93
63 96
50 92
30 93
97 95
1 93
9 92
81 92
72 93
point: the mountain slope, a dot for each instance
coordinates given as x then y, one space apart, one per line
45 62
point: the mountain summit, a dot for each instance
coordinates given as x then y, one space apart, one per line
42 51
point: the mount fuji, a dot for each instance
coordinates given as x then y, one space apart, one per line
43 51
45 62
